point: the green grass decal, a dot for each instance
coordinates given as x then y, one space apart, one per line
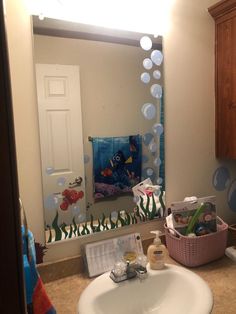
142 217
141 213
58 233
147 206
141 205
133 218
161 201
75 226
71 231
78 232
50 234
154 208
93 228
138 212
103 221
127 219
98 228
120 219
113 225
85 229
63 228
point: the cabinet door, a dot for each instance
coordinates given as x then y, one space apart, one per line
226 87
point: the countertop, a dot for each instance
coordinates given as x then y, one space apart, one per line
220 276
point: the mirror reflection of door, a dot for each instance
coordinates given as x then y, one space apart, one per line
61 140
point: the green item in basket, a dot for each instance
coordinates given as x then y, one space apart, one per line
194 219
184 211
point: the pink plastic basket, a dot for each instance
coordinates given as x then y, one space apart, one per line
200 250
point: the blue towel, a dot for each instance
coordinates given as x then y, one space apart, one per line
117 163
36 296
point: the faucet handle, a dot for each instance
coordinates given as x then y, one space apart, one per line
141 272
119 268
142 260
140 267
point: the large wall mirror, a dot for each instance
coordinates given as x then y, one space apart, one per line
101 121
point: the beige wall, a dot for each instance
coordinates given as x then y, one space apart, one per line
190 105
189 112
18 24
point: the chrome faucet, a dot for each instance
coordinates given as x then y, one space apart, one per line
125 271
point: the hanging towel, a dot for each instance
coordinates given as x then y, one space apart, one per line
117 163
37 299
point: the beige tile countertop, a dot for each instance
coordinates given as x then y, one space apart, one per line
220 275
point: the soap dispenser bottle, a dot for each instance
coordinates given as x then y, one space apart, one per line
156 252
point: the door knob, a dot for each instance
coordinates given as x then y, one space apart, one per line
77 182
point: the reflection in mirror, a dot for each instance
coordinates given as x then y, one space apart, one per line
101 115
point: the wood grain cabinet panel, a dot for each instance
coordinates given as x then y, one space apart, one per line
224 13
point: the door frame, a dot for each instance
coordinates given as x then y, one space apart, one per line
12 298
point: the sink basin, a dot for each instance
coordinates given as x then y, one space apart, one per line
170 290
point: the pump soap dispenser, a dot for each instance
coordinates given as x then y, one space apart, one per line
156 252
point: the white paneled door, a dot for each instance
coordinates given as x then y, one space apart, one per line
61 140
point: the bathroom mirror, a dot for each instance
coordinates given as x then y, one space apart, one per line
118 139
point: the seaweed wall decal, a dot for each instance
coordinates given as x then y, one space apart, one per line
58 232
141 213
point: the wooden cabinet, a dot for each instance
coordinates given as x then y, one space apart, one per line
224 14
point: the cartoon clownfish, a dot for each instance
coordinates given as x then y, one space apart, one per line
107 172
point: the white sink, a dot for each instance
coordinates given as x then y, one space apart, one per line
173 290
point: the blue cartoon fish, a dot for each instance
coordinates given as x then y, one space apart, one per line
118 159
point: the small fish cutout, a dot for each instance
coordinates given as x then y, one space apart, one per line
129 160
107 172
132 148
132 144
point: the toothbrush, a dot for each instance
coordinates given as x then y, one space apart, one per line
195 218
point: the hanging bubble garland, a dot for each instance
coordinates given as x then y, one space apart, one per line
158 129
156 74
147 64
75 210
114 215
147 138
157 57
51 202
148 172
61 181
156 91
81 217
145 159
145 77
157 162
153 147
149 110
159 180
146 43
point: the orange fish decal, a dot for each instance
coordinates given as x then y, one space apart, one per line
107 172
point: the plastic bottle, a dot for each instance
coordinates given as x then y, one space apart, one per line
156 252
